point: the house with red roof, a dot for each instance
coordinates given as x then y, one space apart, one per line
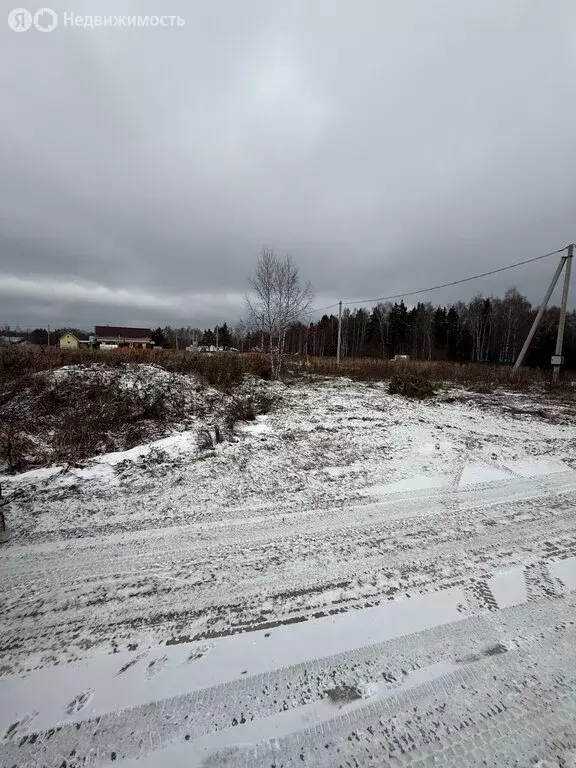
120 336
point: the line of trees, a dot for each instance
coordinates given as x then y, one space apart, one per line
167 337
180 338
482 330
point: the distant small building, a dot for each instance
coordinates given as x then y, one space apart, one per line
400 357
123 337
10 340
204 348
69 341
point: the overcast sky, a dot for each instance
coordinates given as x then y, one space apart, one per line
386 145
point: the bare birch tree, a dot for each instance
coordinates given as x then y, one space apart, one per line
279 300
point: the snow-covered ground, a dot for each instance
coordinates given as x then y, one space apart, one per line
356 579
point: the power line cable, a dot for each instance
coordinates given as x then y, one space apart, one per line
320 309
456 282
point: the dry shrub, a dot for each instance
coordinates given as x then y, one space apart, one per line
78 413
257 364
50 414
408 385
482 387
240 409
222 370
225 370
15 447
464 374
247 407
205 440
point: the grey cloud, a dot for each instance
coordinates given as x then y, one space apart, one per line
386 145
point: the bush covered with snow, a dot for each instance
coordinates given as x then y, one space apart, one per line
223 371
78 411
412 386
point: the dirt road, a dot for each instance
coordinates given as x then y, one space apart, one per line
399 608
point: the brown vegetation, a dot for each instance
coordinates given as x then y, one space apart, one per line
48 414
68 405
223 371
469 375
417 387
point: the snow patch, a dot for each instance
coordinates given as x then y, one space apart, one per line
415 483
565 570
257 428
50 691
535 467
282 724
482 473
509 588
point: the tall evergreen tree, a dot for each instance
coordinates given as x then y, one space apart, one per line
453 334
158 337
208 338
224 336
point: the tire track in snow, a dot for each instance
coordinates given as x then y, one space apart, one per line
203 590
423 683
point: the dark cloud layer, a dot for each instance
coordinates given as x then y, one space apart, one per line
386 145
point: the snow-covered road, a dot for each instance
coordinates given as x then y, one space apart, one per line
358 580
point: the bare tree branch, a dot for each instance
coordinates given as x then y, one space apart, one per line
279 301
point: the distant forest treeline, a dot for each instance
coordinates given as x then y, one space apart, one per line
482 330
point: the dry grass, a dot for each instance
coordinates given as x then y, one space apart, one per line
68 405
47 417
87 412
226 370
223 371
417 387
469 375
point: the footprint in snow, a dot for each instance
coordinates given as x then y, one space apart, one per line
198 651
14 730
156 666
129 664
79 702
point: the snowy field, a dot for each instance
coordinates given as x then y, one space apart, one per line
356 579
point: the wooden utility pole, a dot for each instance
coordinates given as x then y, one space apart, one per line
557 358
339 343
48 335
